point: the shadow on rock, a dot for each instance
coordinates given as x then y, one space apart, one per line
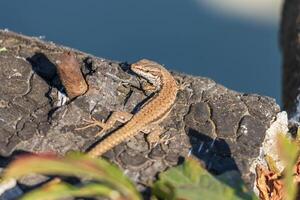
214 153
43 67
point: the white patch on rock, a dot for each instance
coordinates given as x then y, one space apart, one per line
296 116
269 145
62 99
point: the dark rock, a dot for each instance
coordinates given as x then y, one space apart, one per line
222 127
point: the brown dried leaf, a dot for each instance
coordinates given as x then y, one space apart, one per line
269 184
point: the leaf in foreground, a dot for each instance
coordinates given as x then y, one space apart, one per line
191 181
288 152
74 164
273 185
63 190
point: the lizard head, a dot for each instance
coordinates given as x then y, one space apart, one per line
149 70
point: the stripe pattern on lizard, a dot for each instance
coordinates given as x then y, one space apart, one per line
147 119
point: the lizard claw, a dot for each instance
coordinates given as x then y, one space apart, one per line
166 139
94 122
181 84
154 141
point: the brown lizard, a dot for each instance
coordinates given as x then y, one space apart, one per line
148 118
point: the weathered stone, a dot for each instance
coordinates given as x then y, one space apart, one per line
222 127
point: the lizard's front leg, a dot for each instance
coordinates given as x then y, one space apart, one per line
119 116
181 85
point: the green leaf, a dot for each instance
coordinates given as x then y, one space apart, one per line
234 180
190 181
64 190
74 164
288 152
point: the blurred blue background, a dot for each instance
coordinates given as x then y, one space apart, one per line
187 36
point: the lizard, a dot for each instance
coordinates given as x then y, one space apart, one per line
147 119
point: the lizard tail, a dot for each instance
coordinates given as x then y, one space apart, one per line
109 143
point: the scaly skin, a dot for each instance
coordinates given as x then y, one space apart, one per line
153 112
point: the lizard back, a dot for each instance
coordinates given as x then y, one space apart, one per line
158 106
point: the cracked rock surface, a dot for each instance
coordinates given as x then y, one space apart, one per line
221 127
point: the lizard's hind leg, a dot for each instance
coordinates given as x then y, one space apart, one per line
119 116
154 138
